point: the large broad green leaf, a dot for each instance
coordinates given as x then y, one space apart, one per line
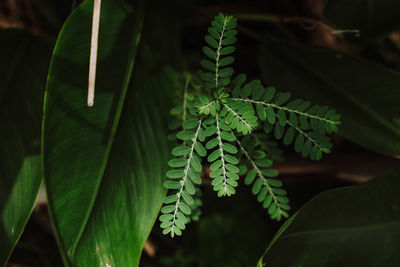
104 165
366 94
23 69
350 226
131 192
374 18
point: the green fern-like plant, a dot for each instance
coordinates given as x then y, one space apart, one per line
226 122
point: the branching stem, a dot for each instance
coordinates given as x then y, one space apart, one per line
248 126
221 150
306 135
185 172
206 105
285 109
259 174
219 55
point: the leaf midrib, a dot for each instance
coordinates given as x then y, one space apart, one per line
356 228
136 36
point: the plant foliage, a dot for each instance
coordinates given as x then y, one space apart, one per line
220 127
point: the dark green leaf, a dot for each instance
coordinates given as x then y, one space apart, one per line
269 94
282 117
340 81
274 182
261 112
279 130
270 114
168 200
188 198
281 98
232 168
184 208
216 165
214 33
306 148
229 40
227 136
207 65
265 163
196 164
180 151
237 82
363 217
90 154
229 148
209 52
230 33
211 41
236 215
24 61
194 176
212 143
227 50
226 61
214 155
289 136
185 135
190 124
299 143
270 172
250 177
257 186
226 72
172 184
173 174
231 159
200 149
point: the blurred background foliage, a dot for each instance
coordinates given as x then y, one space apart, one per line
342 53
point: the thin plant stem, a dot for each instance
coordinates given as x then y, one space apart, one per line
93 52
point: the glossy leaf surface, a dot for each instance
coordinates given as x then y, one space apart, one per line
349 226
104 165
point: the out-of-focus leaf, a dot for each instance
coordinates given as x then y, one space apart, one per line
23 69
104 165
374 18
350 226
364 93
232 231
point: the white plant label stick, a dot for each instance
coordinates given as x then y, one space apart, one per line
93 51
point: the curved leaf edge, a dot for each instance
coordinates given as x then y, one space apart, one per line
288 222
136 36
24 45
129 70
25 223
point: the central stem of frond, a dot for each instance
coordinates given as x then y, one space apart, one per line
218 54
221 150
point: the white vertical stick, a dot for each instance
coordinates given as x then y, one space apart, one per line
93 51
